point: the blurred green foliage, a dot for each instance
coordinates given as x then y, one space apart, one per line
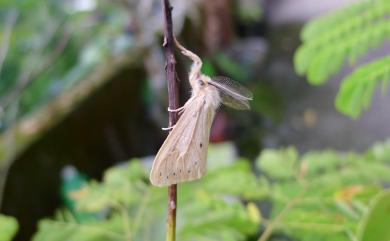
249 10
231 67
346 35
8 227
51 45
374 225
321 195
130 208
48 47
357 88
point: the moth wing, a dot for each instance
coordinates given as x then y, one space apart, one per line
232 93
183 155
230 101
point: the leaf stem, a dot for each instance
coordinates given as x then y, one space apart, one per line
126 221
268 231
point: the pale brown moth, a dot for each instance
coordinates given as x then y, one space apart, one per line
183 156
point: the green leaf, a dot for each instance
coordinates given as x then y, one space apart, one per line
323 195
236 179
380 152
357 88
215 219
219 155
319 25
8 227
375 225
320 58
122 185
50 230
320 195
278 164
338 27
126 207
343 36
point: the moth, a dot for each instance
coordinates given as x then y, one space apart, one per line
183 155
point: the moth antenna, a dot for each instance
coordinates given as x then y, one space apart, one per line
197 65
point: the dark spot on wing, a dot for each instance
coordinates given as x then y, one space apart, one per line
201 145
160 174
180 170
167 177
189 171
174 173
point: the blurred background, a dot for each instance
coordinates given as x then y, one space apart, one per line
83 88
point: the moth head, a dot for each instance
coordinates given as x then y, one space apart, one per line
199 82
203 81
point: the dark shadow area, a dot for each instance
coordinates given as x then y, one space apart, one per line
111 126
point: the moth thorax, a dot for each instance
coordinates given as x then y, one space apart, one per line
213 96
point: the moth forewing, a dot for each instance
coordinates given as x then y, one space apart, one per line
183 155
232 93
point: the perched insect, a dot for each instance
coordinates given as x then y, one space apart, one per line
183 155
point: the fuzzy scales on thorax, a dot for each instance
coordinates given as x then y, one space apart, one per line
210 94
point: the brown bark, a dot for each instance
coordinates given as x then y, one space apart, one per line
173 95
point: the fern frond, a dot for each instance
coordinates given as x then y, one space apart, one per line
357 88
330 40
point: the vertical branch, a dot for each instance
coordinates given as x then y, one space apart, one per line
173 95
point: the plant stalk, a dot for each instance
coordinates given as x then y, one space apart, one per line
173 98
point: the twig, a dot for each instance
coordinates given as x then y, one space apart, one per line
173 97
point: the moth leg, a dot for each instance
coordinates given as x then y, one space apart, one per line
165 42
176 110
168 128
180 109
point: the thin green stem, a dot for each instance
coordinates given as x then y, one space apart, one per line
171 220
126 222
141 211
270 228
